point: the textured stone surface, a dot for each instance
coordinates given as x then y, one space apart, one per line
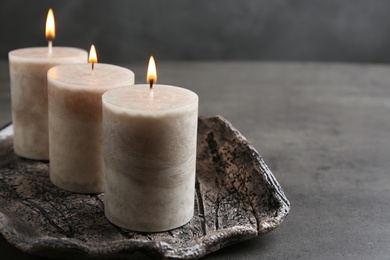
237 198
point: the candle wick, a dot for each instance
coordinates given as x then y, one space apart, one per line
151 87
93 67
50 46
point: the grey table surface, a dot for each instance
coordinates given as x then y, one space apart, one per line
324 131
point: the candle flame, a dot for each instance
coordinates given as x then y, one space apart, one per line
151 77
50 26
92 55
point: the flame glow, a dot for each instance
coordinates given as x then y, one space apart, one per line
92 55
151 76
50 26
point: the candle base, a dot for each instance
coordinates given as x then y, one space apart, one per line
147 228
87 188
154 206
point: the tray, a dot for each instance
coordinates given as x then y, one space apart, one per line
237 198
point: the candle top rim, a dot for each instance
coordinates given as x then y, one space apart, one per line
137 98
76 76
42 53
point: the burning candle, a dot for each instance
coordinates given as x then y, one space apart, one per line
75 122
50 29
149 155
28 73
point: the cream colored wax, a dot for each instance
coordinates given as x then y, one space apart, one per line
28 73
75 123
149 156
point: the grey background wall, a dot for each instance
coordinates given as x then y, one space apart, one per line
126 31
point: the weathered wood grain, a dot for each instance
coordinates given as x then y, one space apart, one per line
237 198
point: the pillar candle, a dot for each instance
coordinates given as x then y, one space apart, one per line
149 156
75 123
28 74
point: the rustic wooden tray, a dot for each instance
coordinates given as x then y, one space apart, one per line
237 198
